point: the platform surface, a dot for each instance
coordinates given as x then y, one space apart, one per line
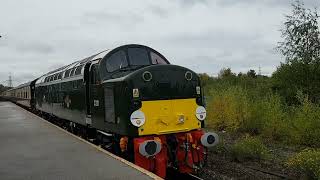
34 149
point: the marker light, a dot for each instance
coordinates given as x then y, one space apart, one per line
137 118
201 113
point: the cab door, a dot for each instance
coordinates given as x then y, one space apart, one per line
87 83
96 96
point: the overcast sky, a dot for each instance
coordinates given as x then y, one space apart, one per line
203 35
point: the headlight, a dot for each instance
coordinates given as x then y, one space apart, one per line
137 118
149 148
209 139
201 113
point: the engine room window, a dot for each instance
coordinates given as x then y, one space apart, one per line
66 74
116 61
78 70
60 75
156 59
138 56
55 77
72 72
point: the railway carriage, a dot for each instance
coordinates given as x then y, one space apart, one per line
22 94
132 100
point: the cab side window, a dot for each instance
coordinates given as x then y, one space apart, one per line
116 61
156 59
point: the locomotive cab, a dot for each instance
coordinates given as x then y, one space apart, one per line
146 95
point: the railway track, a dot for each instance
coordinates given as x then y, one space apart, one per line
173 175
270 173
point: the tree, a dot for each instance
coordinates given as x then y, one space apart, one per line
226 72
3 88
300 47
252 73
204 77
301 35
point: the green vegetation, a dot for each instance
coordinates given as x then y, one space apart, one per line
307 161
281 109
236 109
249 148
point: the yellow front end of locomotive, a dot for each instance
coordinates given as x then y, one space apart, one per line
169 116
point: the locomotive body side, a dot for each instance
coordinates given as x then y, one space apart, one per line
62 94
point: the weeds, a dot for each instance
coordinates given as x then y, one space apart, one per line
307 161
249 148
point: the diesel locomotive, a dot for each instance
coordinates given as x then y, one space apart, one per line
132 101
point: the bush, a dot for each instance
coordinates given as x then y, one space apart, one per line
276 122
249 148
306 124
307 161
228 108
235 109
248 105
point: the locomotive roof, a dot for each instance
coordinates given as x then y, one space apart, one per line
73 65
82 62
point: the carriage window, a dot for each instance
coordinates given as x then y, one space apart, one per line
156 59
138 56
116 61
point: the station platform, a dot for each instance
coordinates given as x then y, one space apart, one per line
32 148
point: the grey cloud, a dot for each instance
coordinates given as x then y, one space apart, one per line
274 3
203 35
192 2
105 17
34 47
159 11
